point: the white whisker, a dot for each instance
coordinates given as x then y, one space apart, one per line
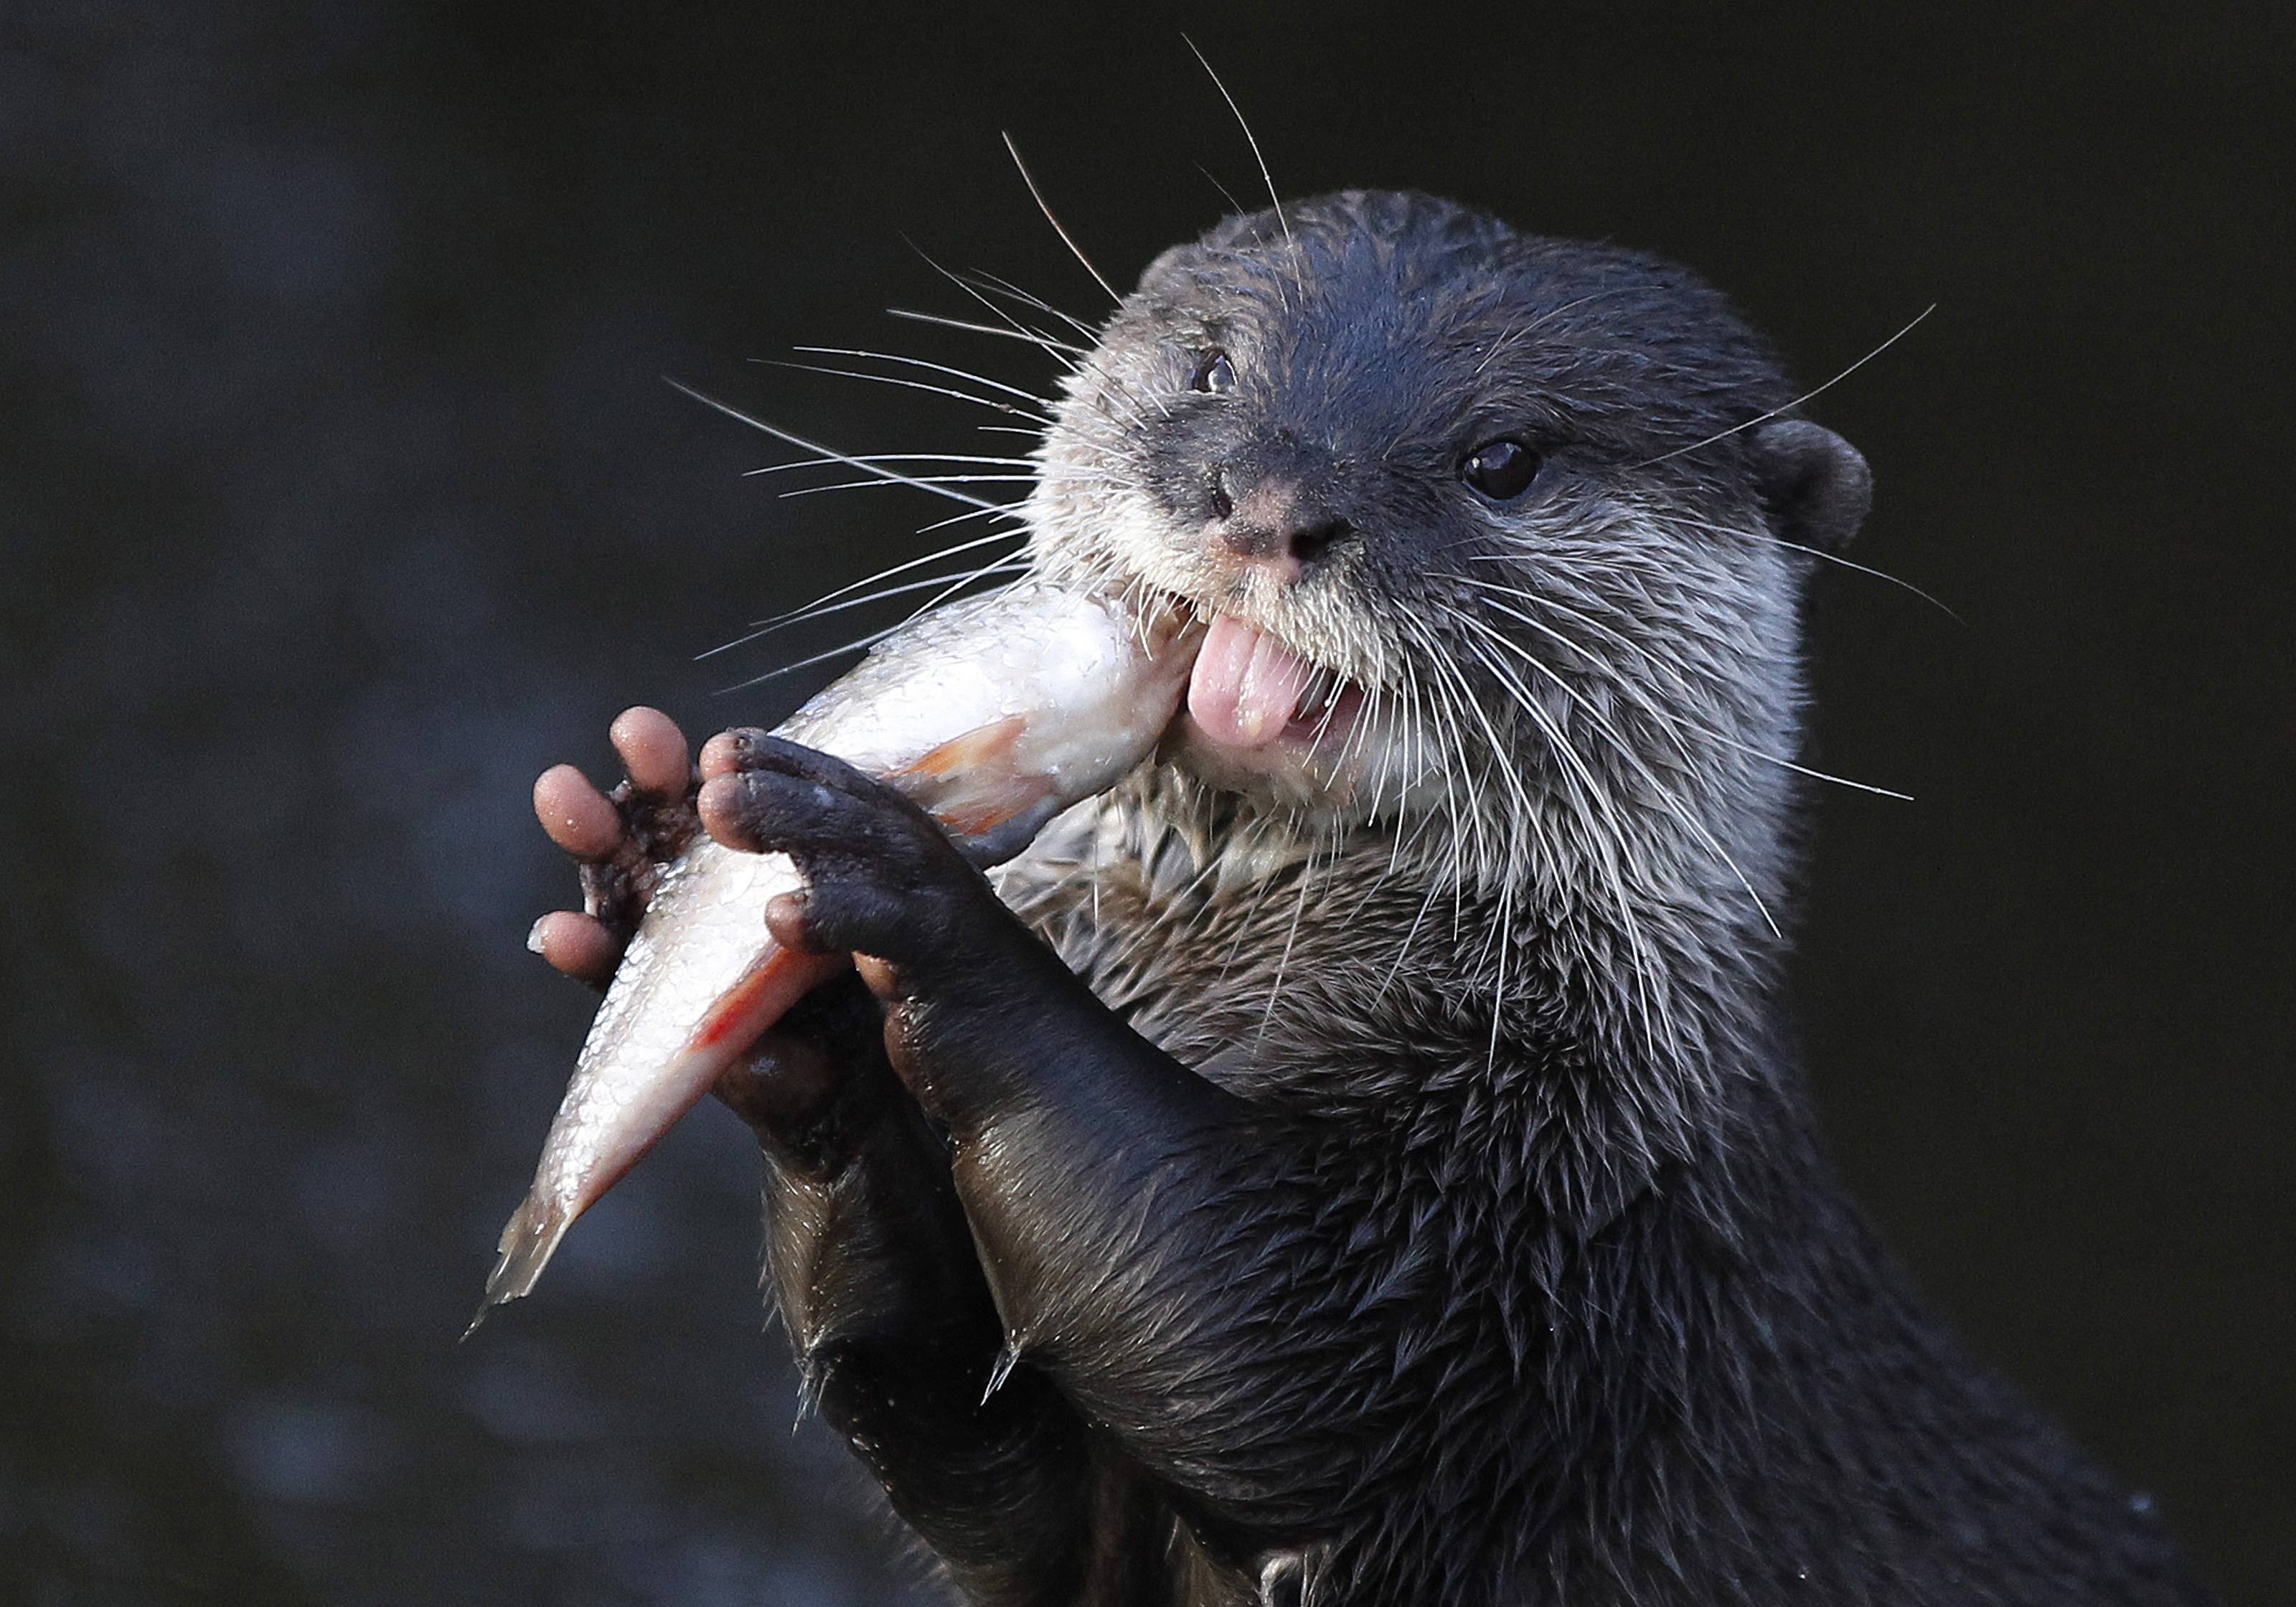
1618 744
806 616
1808 395
780 434
1074 250
941 368
929 481
1033 338
1005 287
885 457
776 621
1250 139
908 384
1833 558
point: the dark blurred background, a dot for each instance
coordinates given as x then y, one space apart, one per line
341 494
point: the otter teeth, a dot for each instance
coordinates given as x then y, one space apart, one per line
1247 687
1322 696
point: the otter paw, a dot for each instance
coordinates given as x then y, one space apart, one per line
623 838
881 876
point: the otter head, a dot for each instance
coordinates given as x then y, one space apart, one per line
1493 533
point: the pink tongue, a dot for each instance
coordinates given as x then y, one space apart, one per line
1245 687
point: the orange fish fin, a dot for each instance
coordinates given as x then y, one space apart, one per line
975 749
979 806
965 786
763 995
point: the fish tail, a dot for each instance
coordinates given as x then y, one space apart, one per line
529 1239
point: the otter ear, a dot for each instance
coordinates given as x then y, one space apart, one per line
1816 484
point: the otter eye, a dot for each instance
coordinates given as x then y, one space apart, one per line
1215 375
1501 469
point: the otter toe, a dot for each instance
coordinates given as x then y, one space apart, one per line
577 816
653 750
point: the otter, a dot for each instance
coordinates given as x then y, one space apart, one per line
1362 1158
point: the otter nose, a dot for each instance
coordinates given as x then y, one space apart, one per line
1272 522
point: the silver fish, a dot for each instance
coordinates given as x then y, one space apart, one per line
994 714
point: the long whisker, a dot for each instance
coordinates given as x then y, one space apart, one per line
1608 844
888 357
887 457
1864 568
978 285
975 284
1250 139
858 644
1495 757
873 638
1839 781
1619 745
776 621
1806 396
780 434
1660 666
1234 206
887 379
1836 558
1074 250
1018 511
822 611
1627 688
1584 789
1046 342
935 481
1123 391
1005 287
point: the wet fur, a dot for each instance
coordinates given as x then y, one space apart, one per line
1421 1206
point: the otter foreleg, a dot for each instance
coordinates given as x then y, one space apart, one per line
873 1272
1145 1235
